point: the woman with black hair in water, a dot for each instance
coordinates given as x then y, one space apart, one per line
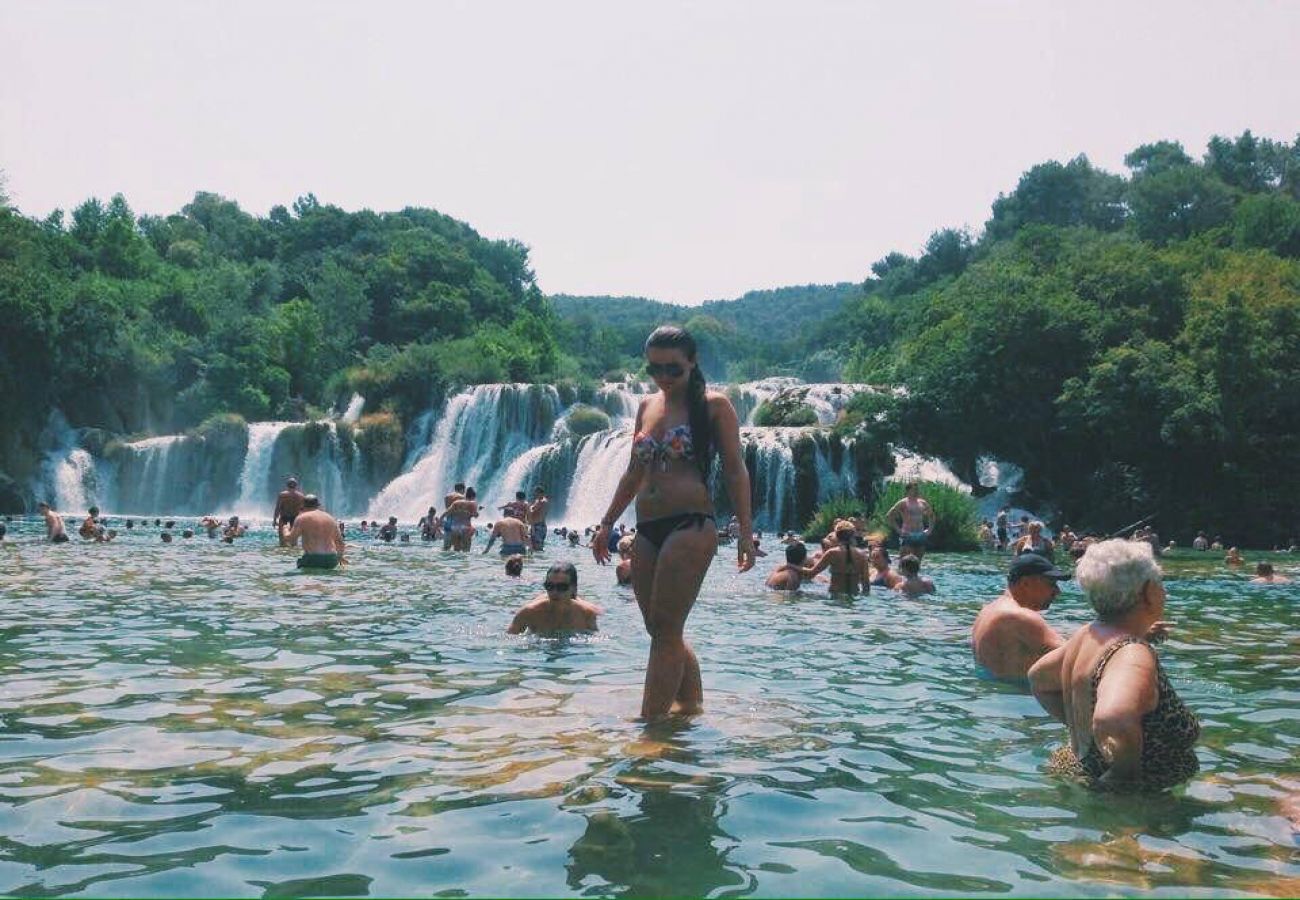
678 430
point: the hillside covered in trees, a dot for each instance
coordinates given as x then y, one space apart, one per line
763 333
1132 342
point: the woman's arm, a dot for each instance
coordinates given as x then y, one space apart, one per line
1045 682
623 494
1126 693
726 427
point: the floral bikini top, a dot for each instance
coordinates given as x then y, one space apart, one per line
676 444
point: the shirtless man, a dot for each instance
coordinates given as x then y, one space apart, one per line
1009 634
559 609
847 563
54 532
287 507
1264 574
322 542
913 519
789 576
516 508
388 531
456 493
537 518
914 584
514 536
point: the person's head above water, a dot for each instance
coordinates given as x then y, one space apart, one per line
1264 569
392 520
94 510
796 553
670 354
561 581
539 491
909 565
1032 581
1115 574
42 507
514 566
311 501
520 495
470 494
459 487
291 482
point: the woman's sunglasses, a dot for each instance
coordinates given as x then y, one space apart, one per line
556 585
672 370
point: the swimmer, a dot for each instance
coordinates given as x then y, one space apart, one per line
559 609
322 543
90 529
1001 526
574 537
514 536
881 574
986 538
4 529
110 535
913 519
1010 634
1034 542
54 532
847 563
187 533
388 531
537 518
516 508
514 566
456 493
914 584
623 571
212 526
789 575
166 537
458 516
1234 558
287 506
1264 574
233 530
430 526
1201 542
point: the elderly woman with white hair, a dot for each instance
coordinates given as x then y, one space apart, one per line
1128 728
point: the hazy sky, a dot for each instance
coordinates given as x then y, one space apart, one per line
683 151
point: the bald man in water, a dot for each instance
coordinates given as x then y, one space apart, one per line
322 542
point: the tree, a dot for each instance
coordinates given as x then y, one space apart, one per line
1065 195
1152 159
1178 203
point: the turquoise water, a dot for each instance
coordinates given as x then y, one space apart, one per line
195 719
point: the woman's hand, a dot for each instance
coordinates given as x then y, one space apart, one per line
1158 632
600 544
745 555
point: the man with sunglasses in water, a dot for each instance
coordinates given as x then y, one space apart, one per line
559 609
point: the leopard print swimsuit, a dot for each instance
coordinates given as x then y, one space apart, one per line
1169 733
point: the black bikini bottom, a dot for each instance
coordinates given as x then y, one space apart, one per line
656 531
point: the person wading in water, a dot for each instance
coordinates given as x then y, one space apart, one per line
678 430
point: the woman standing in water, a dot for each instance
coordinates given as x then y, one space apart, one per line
677 432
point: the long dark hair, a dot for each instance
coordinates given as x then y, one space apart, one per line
672 337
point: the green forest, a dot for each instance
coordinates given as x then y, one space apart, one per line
1132 340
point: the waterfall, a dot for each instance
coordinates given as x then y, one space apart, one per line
69 476
157 479
481 432
770 455
602 460
353 413
256 487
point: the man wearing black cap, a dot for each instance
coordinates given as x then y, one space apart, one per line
287 507
1010 634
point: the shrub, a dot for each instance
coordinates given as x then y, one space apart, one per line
379 438
584 420
823 519
787 410
956 518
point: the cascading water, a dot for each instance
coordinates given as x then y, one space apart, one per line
480 433
501 438
255 482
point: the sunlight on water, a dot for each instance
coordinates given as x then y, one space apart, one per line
197 719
